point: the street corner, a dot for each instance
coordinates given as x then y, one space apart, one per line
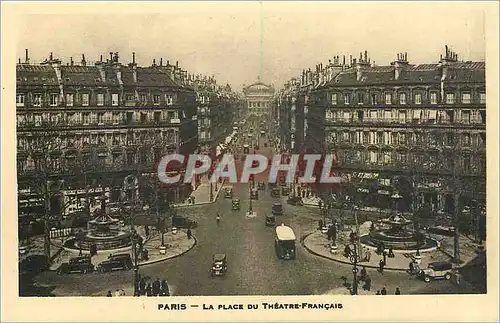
174 245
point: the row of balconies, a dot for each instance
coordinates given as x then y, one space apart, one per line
393 122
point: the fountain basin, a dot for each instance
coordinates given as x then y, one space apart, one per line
112 240
411 242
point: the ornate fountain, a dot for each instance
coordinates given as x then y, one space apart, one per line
394 233
103 231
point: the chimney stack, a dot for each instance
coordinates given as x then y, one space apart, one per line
177 64
343 59
366 56
84 62
133 57
161 61
27 57
19 61
101 58
51 56
71 61
111 56
154 62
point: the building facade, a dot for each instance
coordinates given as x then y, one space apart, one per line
415 131
86 130
258 97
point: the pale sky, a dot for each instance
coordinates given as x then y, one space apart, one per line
223 39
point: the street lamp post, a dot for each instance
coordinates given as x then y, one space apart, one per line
250 209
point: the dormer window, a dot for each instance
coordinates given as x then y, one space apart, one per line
334 98
69 99
450 98
114 99
402 98
54 99
418 98
85 99
374 99
100 99
434 98
20 100
346 99
169 99
466 98
388 98
482 98
144 99
156 99
37 100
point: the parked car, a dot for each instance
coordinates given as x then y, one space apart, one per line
228 192
436 270
235 204
442 230
115 264
219 265
277 209
275 192
284 191
181 222
81 264
294 200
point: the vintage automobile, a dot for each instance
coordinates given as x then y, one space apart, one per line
294 200
275 192
219 265
277 209
284 191
235 204
254 194
261 186
81 264
228 192
116 262
270 220
181 222
436 270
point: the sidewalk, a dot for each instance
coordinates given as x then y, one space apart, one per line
177 245
317 244
202 194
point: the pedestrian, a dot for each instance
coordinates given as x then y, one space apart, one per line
189 234
164 288
117 293
378 293
363 274
156 287
142 286
391 253
347 251
122 292
381 265
412 267
383 291
149 290
109 294
398 292
368 254
368 283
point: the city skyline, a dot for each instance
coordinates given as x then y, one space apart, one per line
230 37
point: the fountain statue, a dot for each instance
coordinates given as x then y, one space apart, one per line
396 236
103 231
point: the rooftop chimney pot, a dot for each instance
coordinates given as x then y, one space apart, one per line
27 56
51 56
133 57
161 61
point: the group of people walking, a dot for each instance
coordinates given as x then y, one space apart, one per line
383 291
156 288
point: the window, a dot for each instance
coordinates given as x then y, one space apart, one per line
402 98
156 99
38 120
334 98
129 97
388 98
169 99
373 115
450 98
100 118
114 99
418 98
69 99
157 116
144 99
100 99
482 98
434 98
360 98
466 140
466 98
85 99
374 98
346 98
86 118
54 99
20 100
466 116
37 100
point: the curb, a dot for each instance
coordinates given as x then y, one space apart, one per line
170 257
202 203
302 242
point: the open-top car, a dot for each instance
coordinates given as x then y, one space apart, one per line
436 270
277 209
235 204
275 192
219 265
254 194
270 220
81 264
228 192
285 191
294 200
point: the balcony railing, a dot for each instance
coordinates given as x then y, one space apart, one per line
403 123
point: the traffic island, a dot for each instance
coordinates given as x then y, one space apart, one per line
318 244
174 246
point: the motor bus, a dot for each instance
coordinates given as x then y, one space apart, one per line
284 242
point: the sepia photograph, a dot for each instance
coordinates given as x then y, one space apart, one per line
323 151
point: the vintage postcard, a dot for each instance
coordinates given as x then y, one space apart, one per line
246 161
